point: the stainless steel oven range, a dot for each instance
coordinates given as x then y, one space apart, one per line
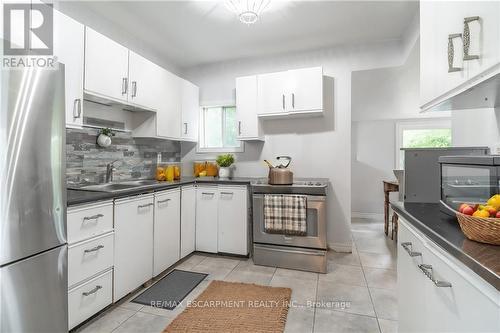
306 252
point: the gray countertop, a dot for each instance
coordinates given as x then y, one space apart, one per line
445 231
76 197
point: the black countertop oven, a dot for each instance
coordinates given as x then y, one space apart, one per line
468 179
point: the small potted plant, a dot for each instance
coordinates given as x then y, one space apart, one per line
224 162
104 138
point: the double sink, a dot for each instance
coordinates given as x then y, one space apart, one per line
119 186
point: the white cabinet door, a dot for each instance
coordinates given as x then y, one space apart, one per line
190 104
304 89
168 116
188 220
411 284
484 35
249 126
106 66
133 243
167 231
144 81
69 39
271 97
232 220
206 218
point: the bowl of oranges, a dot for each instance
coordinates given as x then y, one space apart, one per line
481 223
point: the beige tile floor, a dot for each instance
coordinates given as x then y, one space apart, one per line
366 277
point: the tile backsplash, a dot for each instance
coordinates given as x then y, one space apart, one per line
137 157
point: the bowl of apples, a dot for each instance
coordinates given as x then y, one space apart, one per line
481 223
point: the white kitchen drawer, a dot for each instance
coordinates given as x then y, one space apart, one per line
89 298
90 257
89 220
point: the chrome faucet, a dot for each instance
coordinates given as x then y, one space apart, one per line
109 171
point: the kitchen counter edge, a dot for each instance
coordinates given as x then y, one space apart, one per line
444 242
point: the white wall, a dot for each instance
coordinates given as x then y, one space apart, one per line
320 147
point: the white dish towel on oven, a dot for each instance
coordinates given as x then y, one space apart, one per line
286 214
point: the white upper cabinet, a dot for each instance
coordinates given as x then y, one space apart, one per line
271 99
190 105
144 81
459 43
249 125
168 116
69 39
290 92
304 91
106 67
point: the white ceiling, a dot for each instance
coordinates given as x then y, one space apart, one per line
190 33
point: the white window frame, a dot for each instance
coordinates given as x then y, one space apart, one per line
401 126
199 146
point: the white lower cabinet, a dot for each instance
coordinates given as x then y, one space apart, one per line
232 220
90 257
206 218
133 243
89 298
167 230
188 219
221 219
470 304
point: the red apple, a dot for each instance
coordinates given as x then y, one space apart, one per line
462 206
497 215
468 210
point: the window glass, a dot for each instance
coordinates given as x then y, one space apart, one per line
230 127
213 127
218 130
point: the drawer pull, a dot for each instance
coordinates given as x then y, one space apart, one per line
451 53
466 38
163 201
93 291
145 206
226 193
427 270
97 248
93 217
408 248
207 193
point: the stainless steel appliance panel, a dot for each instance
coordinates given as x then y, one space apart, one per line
422 172
316 225
290 257
34 294
32 125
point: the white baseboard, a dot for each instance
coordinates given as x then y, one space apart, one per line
375 216
340 247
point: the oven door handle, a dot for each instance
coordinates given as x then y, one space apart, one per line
319 254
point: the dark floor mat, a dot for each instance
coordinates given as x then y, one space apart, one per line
170 290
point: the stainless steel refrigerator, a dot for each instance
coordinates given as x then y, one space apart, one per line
33 249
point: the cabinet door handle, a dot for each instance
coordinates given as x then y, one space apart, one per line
239 127
163 201
77 108
408 248
134 88
451 53
145 206
93 217
283 101
185 128
93 291
124 85
466 38
427 270
97 248
293 100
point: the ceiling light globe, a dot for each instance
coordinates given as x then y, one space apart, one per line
249 17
